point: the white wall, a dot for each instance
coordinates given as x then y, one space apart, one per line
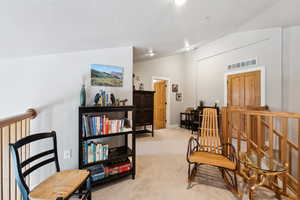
190 80
52 83
291 60
210 61
171 67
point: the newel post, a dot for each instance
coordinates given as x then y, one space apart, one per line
224 119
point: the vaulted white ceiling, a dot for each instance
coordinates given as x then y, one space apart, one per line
35 27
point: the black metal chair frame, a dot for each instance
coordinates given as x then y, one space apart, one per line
84 193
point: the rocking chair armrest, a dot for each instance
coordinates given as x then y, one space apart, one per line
228 150
193 145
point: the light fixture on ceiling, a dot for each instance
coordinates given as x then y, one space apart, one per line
187 46
150 53
179 2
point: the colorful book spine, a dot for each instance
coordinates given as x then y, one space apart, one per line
94 126
101 125
90 154
106 126
98 125
85 152
105 152
100 157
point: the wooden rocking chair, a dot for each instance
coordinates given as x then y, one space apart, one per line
207 149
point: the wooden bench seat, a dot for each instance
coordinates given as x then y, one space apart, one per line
61 184
217 160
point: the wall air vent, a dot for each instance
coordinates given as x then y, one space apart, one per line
246 63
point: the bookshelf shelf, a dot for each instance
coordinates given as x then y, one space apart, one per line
97 109
112 178
116 154
108 135
143 131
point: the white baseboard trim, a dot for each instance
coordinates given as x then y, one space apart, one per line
173 126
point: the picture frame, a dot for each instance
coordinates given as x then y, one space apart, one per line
175 87
107 75
179 96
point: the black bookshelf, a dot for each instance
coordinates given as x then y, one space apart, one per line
115 154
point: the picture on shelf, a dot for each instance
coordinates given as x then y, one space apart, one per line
106 75
174 87
178 96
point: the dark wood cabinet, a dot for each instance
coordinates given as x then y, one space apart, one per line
144 110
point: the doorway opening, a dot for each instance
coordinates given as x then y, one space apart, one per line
161 102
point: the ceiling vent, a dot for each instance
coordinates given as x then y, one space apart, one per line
242 64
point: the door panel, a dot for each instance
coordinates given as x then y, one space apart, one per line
160 104
242 90
252 89
236 90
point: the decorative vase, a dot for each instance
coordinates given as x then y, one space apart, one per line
141 86
82 96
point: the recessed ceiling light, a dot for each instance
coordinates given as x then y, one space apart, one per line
179 2
187 46
150 53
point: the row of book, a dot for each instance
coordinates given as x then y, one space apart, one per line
93 152
102 125
99 172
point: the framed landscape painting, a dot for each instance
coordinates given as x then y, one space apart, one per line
106 75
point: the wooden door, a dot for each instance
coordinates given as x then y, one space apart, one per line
160 104
243 90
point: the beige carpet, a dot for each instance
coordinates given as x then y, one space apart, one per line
162 174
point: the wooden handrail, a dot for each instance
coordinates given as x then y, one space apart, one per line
30 113
266 113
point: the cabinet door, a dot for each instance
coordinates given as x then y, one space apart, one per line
138 100
143 102
148 101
